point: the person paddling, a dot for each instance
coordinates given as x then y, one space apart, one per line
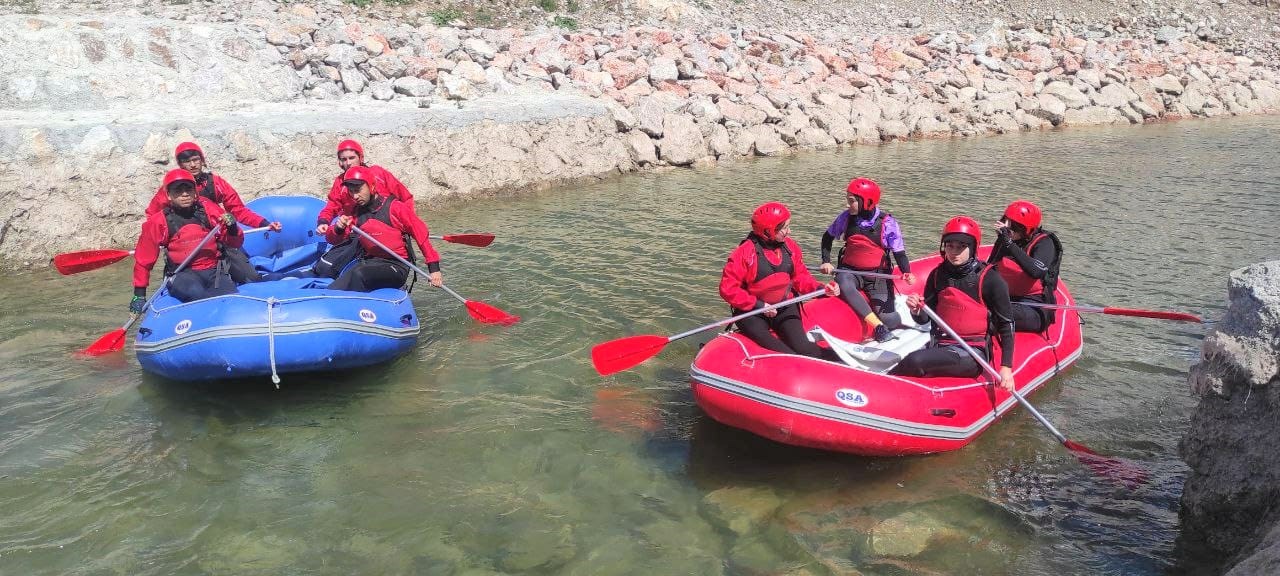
1028 257
179 227
872 243
767 268
350 155
388 220
970 299
212 187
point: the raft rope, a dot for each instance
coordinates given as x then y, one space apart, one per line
271 341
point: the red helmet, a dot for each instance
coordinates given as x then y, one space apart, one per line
353 146
867 190
1024 213
767 218
188 147
964 225
359 174
178 175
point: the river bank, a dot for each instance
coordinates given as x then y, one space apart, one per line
91 105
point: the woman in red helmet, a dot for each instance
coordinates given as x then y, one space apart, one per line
872 243
767 268
970 299
1028 258
389 220
350 155
212 187
178 227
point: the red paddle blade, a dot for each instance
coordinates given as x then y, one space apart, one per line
478 240
489 314
73 262
112 341
618 355
1152 314
1126 473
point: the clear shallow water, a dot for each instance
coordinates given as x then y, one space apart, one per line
492 450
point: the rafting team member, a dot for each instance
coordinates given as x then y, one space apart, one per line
767 268
1028 258
872 243
972 299
179 227
212 187
387 219
350 155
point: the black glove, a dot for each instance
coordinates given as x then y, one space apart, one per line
228 221
137 305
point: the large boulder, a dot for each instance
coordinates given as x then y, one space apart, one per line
1228 502
682 143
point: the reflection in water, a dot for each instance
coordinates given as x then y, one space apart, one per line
499 450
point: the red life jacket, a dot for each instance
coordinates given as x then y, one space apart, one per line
377 223
772 283
184 234
1020 283
962 308
863 245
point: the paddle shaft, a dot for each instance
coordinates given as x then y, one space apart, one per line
167 278
860 273
992 371
384 248
731 320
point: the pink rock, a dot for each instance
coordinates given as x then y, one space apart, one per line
997 51
354 32
739 88
624 73
376 44
720 41
673 87
1035 59
858 79
919 53
703 86
1069 64
671 50
1147 70
420 67
814 67
637 90
502 61
839 86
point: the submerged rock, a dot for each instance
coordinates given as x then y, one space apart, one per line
1228 513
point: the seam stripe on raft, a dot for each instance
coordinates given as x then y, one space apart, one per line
280 330
849 416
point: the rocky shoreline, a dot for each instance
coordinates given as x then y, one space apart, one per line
95 103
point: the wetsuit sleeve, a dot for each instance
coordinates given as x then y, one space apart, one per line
158 201
996 294
827 241
333 207
998 249
1036 264
930 295
803 281
737 271
904 264
334 236
147 250
230 199
411 224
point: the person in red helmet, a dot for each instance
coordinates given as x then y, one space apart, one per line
212 187
970 299
872 243
390 221
179 227
350 155
1028 257
767 268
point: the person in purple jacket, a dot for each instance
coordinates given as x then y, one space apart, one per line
872 243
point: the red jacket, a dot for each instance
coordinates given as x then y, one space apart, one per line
404 219
155 233
340 202
223 194
740 271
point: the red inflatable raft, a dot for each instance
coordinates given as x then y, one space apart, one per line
857 408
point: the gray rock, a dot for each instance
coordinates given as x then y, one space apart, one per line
1168 83
382 90
814 137
413 86
641 148
479 50
1169 34
739 509
893 130
663 68
767 141
97 144
720 142
1114 95
1091 115
681 142
454 87
1091 77
1068 94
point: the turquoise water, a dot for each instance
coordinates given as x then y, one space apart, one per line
499 450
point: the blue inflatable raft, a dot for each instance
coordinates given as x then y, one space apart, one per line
279 326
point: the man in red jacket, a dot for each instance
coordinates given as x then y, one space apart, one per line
767 268
212 187
179 227
351 155
389 221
